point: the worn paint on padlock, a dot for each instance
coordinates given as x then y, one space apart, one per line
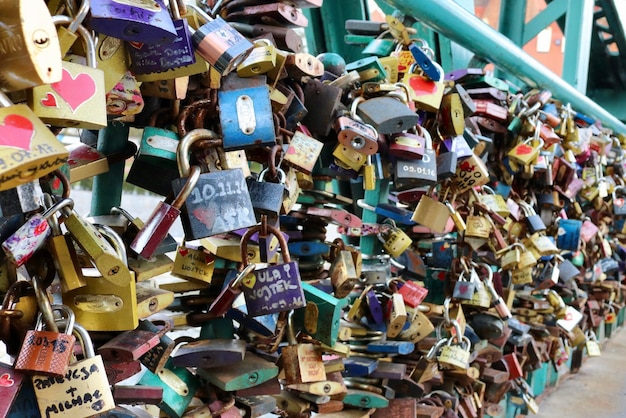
179 387
133 21
252 371
218 203
245 112
209 353
330 311
302 363
274 289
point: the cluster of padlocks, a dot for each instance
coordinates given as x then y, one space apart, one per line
372 238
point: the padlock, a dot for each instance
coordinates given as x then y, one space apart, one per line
219 43
81 391
455 356
96 306
28 149
471 172
245 112
105 257
133 21
407 145
157 57
386 114
219 202
419 328
352 133
31 236
209 353
194 263
47 352
427 93
394 240
157 151
303 152
15 381
463 288
64 255
348 158
18 314
397 315
267 197
156 228
478 226
179 387
21 199
224 301
431 213
78 99
301 363
251 371
276 288
321 317
343 274
261 59
32 53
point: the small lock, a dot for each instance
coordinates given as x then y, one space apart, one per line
455 356
395 241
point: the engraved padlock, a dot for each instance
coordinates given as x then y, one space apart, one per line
455 356
47 352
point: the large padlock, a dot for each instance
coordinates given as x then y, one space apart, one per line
431 213
219 202
100 307
31 236
133 20
245 112
277 288
82 392
28 149
78 99
31 52
103 253
47 352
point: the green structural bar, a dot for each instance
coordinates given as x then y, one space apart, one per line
107 187
463 27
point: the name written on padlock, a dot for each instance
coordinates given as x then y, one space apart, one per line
218 204
274 289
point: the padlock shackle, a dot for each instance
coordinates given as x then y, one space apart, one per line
243 243
82 335
185 112
90 45
80 16
55 226
184 146
68 321
192 180
114 239
43 302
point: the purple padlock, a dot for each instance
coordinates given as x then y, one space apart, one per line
146 21
159 57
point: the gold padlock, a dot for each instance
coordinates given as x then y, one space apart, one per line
431 213
395 241
261 59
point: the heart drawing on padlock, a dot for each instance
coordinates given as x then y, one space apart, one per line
249 281
16 131
523 149
50 100
183 251
422 87
6 381
75 90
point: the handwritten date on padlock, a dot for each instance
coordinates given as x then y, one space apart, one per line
274 289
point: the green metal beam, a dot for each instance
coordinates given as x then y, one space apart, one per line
451 20
511 22
333 15
612 100
550 14
107 187
578 31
